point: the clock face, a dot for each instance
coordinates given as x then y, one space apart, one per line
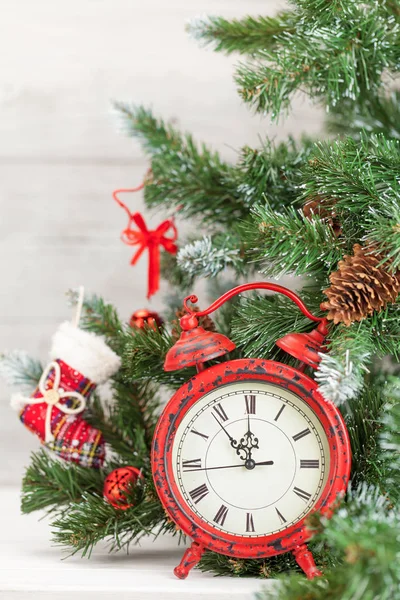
250 459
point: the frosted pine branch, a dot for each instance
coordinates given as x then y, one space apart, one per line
203 258
339 381
197 27
19 370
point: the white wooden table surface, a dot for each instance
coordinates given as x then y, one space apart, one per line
31 568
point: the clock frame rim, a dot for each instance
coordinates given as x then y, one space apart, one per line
235 371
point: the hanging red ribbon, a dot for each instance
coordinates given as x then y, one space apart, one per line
147 239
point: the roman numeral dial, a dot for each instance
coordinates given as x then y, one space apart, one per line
309 464
220 412
302 494
249 523
202 435
199 493
301 434
221 515
189 465
248 459
250 404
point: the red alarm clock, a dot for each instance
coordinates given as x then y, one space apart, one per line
248 448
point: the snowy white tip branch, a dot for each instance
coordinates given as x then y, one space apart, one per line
339 381
203 258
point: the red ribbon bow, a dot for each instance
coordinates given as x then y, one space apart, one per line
147 239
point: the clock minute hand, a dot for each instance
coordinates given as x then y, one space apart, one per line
233 442
266 462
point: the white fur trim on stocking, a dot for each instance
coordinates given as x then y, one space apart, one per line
85 352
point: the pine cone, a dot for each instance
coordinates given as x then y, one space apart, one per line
206 322
318 206
359 287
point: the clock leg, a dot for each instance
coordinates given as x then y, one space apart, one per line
189 560
305 560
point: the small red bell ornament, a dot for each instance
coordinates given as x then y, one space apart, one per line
248 449
118 483
79 361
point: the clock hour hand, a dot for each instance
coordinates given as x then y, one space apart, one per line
248 442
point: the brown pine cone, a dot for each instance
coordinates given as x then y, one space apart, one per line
359 287
326 212
206 322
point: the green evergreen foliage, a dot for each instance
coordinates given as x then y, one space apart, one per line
189 178
379 115
250 219
337 51
18 369
245 36
365 532
52 485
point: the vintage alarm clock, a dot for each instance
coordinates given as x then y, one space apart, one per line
248 448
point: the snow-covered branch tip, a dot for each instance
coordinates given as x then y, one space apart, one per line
339 381
202 258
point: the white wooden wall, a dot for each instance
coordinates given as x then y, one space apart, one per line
61 64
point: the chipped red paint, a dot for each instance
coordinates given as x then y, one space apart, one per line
205 536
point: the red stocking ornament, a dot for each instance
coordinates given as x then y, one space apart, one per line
79 361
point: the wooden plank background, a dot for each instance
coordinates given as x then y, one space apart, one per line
61 154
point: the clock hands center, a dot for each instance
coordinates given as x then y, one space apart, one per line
255 464
247 443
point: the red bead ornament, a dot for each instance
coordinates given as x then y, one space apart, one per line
118 483
143 317
147 239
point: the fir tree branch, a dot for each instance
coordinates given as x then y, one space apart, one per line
365 532
144 356
18 369
101 318
207 257
331 56
51 484
390 449
246 36
128 422
94 519
350 350
273 170
178 279
287 242
380 115
261 320
363 421
383 230
190 178
357 176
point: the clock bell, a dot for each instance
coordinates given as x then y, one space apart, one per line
197 346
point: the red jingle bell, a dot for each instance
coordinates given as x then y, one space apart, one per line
196 346
143 317
118 483
306 347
